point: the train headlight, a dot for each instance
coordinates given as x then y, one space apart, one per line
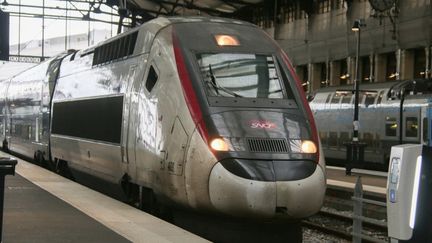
308 147
219 144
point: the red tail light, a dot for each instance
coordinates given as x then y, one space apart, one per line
188 90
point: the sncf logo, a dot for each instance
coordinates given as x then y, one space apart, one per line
262 124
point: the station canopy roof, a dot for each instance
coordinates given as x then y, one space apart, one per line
154 8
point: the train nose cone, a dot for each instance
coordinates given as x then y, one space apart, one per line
238 196
242 197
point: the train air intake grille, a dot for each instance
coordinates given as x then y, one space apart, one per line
268 145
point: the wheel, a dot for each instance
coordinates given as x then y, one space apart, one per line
131 191
61 167
150 204
38 158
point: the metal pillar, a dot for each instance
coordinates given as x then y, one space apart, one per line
356 28
358 212
355 149
7 167
43 30
19 29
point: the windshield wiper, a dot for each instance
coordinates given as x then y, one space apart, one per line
213 80
217 87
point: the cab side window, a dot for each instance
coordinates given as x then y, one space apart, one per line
152 78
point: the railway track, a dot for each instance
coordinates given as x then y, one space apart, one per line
339 225
336 218
329 231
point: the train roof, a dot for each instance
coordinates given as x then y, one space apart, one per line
419 85
366 86
395 89
157 24
193 19
10 69
162 22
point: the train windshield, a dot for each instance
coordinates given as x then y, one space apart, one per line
241 75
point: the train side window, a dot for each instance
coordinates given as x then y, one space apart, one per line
411 127
333 139
152 78
323 138
25 132
346 99
425 130
327 102
370 99
380 96
360 99
335 101
29 132
368 138
390 126
328 99
344 137
377 141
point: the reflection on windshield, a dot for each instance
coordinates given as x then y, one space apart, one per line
240 75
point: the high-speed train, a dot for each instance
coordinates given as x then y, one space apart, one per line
202 113
390 113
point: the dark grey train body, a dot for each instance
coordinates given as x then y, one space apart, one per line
202 113
390 113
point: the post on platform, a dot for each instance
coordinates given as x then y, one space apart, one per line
7 167
4 34
358 212
355 149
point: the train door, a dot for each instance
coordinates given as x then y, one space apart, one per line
128 148
411 124
7 120
426 123
3 126
176 148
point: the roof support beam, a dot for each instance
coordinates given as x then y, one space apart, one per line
161 6
174 7
230 4
190 5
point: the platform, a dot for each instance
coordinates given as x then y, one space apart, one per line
373 182
41 206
